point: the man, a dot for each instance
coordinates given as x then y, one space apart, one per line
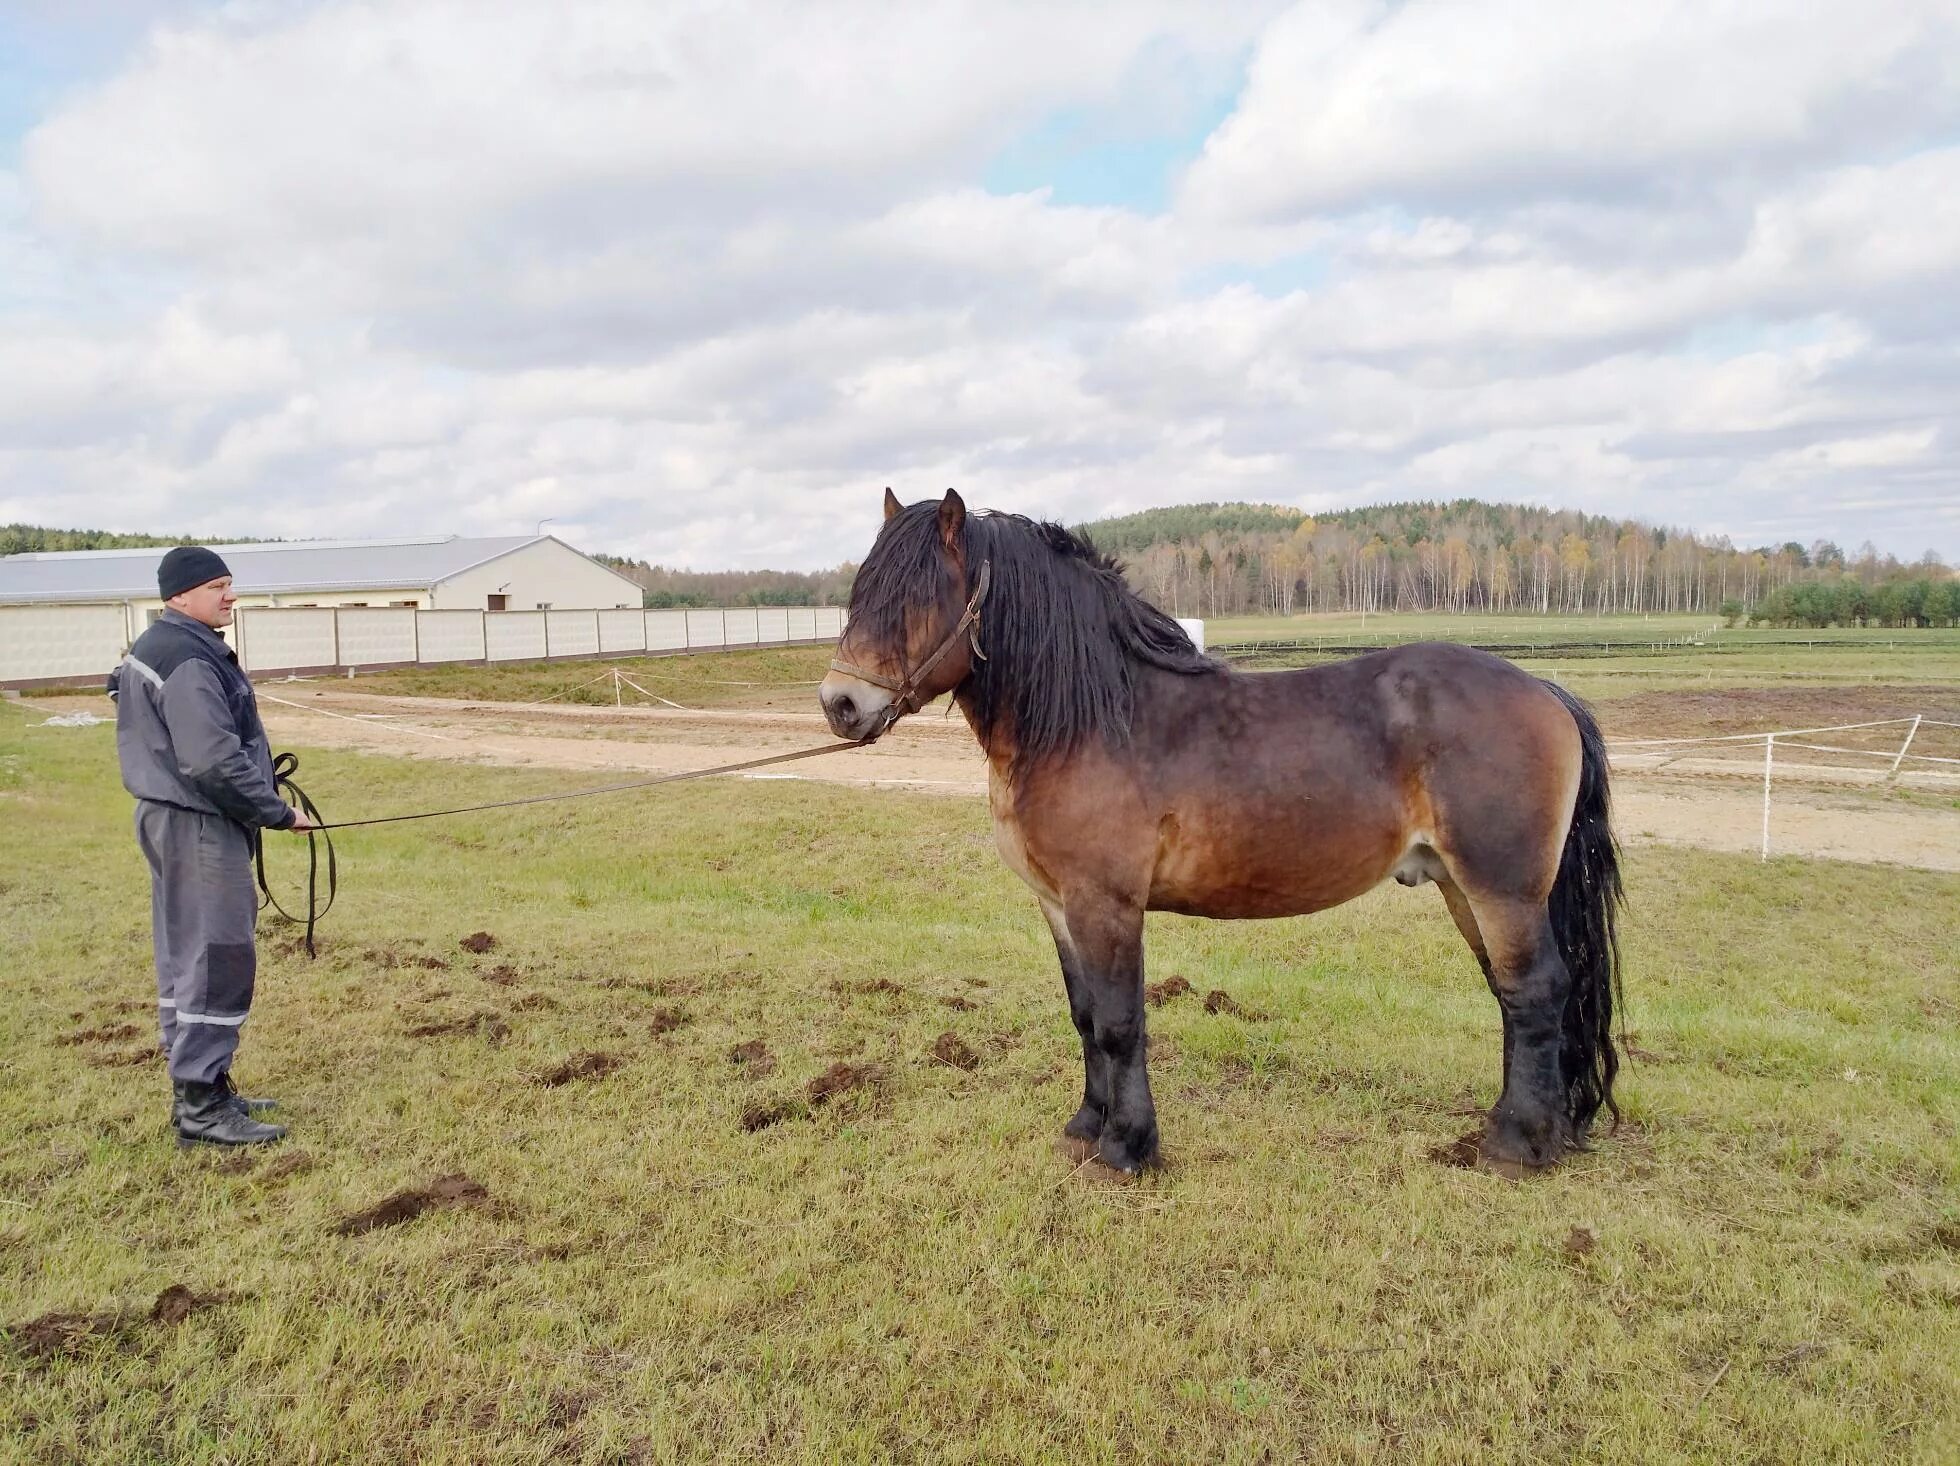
194 754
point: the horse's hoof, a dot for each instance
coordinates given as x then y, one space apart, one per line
1126 1157
1087 1125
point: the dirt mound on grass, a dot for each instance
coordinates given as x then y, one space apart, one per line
666 1020
455 1189
478 942
760 1115
754 1058
949 1049
580 1066
841 1078
503 974
1223 1002
1159 993
53 1335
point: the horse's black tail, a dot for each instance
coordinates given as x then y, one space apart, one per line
1584 908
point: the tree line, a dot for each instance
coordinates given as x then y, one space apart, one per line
39 539
1470 556
661 587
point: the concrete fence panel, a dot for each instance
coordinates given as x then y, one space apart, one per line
772 625
666 631
802 625
279 638
59 641
830 621
514 636
622 631
572 633
740 626
706 628
450 636
376 636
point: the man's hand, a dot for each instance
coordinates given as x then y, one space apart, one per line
300 821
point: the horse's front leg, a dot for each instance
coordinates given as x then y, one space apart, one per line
1088 1122
1107 941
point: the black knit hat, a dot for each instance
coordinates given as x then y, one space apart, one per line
186 568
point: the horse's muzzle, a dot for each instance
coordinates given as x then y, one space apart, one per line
854 709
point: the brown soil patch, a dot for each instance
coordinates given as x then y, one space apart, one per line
760 1115
119 1058
502 974
107 1033
1464 1151
53 1335
531 1002
1761 709
478 942
948 1049
177 1303
488 1026
1580 1241
455 1189
958 1004
1222 1002
875 985
1159 993
841 1078
580 1066
666 1020
754 1057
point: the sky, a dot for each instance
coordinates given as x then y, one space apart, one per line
695 282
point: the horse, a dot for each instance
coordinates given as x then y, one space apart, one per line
1128 772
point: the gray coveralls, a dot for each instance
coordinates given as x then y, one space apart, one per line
194 754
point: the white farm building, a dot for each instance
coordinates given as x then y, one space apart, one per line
71 614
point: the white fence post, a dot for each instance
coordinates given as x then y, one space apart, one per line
1769 760
1911 733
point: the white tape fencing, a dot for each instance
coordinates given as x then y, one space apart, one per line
1787 738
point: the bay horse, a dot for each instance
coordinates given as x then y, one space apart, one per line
1127 772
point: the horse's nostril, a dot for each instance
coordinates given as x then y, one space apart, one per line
844 708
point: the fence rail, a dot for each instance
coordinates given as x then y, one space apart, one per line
56 644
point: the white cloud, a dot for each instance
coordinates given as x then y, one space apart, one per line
698 282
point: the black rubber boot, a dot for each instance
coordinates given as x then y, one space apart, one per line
205 1115
241 1104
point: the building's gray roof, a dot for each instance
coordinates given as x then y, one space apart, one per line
300 565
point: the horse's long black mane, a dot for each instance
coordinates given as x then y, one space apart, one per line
1064 634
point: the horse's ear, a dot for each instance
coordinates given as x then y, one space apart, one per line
892 506
952 518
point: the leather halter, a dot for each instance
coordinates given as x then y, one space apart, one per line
907 699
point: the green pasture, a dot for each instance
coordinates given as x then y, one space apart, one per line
673 1255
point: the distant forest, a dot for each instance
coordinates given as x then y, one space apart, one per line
37 539
661 587
1470 556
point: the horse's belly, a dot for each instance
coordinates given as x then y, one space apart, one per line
1261 866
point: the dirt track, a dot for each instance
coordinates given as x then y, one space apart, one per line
1708 801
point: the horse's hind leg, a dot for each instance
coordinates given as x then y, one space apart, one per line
1466 922
1088 1122
1530 1125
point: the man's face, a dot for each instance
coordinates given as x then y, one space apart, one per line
210 603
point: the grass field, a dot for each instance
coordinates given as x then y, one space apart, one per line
675 1255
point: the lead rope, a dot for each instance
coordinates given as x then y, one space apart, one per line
286 764
283 768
